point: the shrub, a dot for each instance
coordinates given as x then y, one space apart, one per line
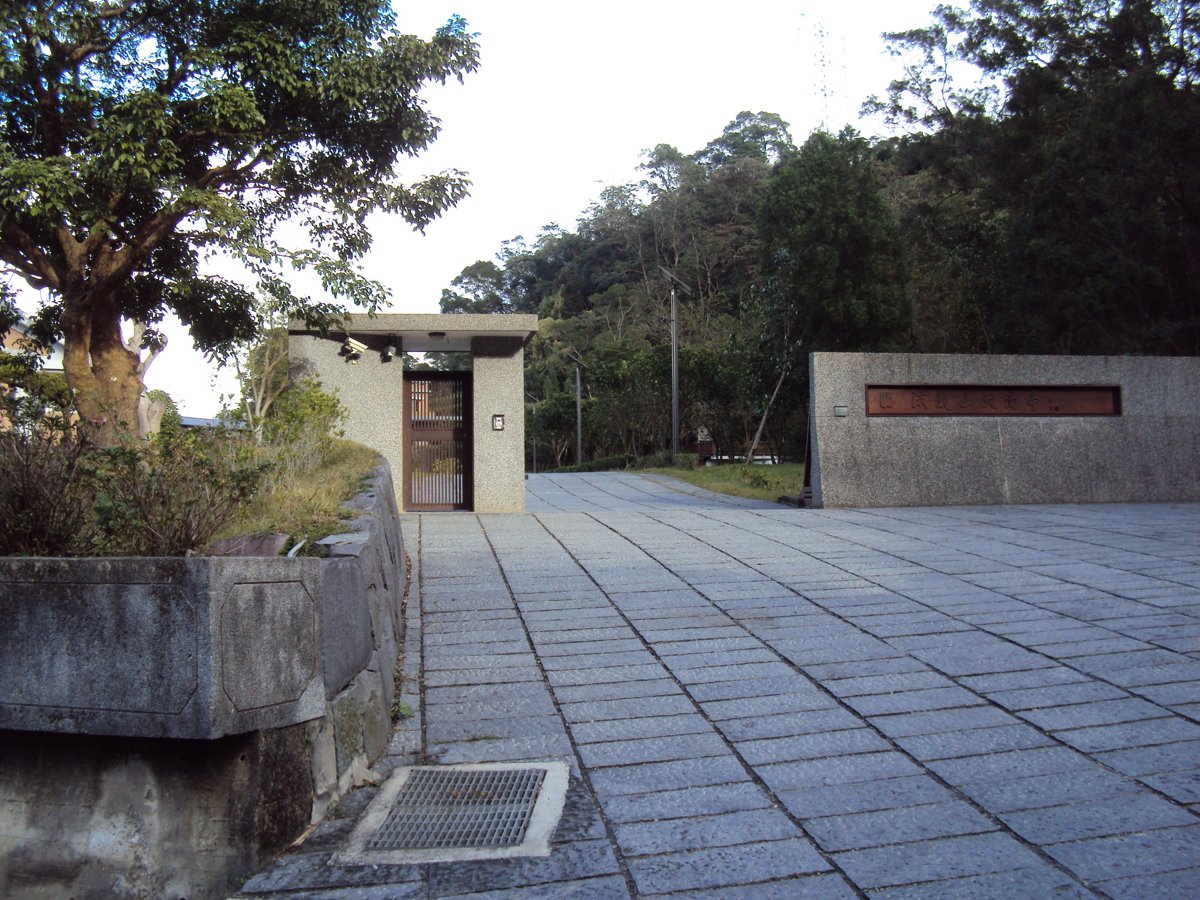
301 429
665 460
753 477
172 495
601 464
61 496
45 499
312 470
307 507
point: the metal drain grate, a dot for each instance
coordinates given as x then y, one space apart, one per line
461 812
460 808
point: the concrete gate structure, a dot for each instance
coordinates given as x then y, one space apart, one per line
910 429
469 432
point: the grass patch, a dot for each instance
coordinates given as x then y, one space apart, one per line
307 504
751 482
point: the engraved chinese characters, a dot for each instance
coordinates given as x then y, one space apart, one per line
993 400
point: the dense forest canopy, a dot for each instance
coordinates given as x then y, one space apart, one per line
1042 196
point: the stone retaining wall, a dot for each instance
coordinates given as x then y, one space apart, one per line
168 725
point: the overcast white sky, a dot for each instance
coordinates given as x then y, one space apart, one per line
567 97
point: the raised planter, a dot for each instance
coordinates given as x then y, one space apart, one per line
182 648
168 725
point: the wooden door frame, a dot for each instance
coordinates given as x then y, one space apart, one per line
468 442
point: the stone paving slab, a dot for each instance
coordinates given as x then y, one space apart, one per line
759 701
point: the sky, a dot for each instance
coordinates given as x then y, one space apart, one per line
567 98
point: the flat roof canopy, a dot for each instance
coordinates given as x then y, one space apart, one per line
434 332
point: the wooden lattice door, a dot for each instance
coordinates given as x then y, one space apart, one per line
437 440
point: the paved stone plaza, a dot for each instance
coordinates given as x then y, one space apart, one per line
758 701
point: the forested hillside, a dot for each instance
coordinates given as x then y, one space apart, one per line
1040 194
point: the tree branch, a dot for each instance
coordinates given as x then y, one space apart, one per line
29 259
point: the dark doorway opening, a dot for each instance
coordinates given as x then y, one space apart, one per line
437 440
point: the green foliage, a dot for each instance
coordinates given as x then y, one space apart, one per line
138 139
600 464
1050 201
754 482
262 370
1043 200
311 470
172 495
306 504
833 262
62 496
20 370
753 477
171 425
484 287
45 503
665 460
759 136
302 427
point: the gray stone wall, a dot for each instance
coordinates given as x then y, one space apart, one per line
154 647
99 796
371 389
362 592
103 817
499 389
1151 452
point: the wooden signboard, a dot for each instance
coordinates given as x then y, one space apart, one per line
993 400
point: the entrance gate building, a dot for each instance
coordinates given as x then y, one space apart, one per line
454 440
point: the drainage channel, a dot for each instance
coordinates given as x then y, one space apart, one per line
425 814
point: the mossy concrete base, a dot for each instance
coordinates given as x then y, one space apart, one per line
88 816
167 725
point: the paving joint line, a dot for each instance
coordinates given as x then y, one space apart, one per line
985 701
732 748
594 486
1087 676
584 776
1036 849
640 502
1006 527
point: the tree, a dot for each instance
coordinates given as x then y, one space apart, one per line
761 136
138 138
1059 177
832 261
263 371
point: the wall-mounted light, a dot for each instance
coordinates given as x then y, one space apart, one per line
437 335
841 411
498 422
390 349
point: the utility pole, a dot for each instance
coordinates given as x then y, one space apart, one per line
578 417
674 375
579 364
673 281
533 418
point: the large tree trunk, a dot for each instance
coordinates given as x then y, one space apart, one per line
101 371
